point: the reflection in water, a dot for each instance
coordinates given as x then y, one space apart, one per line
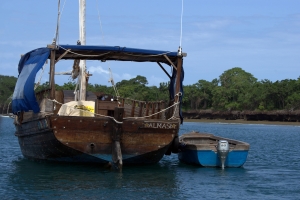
34 179
206 183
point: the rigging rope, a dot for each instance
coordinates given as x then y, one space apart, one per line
83 54
156 55
181 24
57 24
102 36
111 80
59 13
75 90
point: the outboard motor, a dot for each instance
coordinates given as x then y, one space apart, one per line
223 149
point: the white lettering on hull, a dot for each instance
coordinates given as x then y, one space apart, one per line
160 125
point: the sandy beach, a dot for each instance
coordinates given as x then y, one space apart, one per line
241 121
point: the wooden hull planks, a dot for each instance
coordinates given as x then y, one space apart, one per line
89 139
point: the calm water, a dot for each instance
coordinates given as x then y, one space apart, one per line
272 171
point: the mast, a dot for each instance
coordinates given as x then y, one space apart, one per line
82 64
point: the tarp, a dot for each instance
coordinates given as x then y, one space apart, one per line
105 49
24 96
72 108
103 53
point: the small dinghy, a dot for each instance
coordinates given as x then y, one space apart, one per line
208 150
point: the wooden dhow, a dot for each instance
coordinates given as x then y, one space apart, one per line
51 125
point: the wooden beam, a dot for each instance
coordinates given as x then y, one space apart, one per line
178 75
52 72
51 46
168 59
60 57
164 69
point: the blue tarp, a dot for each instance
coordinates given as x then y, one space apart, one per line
116 53
104 49
24 96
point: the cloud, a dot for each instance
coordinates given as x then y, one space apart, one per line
105 74
98 70
214 24
125 76
154 80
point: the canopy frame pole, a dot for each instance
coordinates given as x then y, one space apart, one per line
178 76
60 57
52 73
168 59
164 70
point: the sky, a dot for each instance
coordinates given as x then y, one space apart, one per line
260 36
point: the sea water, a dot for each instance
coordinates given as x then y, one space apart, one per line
272 171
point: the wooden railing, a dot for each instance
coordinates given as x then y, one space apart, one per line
132 108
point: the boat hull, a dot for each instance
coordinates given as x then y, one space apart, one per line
44 146
202 149
209 158
90 139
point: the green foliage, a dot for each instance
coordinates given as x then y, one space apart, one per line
236 85
7 86
235 89
239 90
190 97
136 88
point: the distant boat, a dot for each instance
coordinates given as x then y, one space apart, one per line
207 150
4 115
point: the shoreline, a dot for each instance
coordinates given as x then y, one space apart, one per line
241 121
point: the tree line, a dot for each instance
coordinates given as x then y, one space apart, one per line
235 89
7 86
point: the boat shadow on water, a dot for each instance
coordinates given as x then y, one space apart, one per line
59 179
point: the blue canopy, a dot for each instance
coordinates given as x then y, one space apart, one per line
24 97
103 53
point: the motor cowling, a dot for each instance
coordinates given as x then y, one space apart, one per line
223 149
